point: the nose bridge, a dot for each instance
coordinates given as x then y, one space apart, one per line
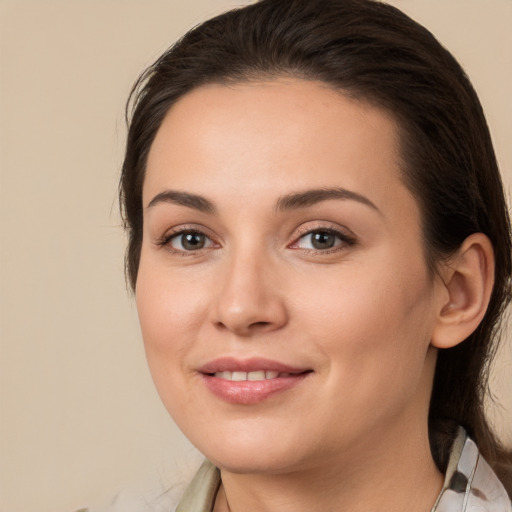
249 300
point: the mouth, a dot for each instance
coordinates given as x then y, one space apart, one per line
252 381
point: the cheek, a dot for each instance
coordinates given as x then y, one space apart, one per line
373 326
166 302
169 314
168 325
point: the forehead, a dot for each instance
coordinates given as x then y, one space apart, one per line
274 135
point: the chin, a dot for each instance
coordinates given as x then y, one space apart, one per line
252 461
254 450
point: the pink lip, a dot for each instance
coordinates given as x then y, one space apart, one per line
249 392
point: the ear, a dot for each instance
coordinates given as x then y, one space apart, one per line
467 282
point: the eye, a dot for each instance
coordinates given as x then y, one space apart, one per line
189 240
323 239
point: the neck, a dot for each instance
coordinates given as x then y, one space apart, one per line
370 478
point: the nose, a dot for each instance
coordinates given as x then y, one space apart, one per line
250 299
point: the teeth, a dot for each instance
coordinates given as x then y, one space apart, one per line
256 375
260 375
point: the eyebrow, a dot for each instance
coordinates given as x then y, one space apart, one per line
292 201
312 197
183 199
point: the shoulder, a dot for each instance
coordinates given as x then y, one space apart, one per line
128 501
153 500
153 497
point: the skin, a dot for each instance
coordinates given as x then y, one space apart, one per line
360 315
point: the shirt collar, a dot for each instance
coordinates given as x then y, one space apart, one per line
470 484
201 493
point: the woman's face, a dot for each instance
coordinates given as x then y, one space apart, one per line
285 304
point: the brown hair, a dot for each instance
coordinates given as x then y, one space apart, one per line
374 52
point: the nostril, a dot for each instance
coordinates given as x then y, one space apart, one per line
259 324
250 327
221 326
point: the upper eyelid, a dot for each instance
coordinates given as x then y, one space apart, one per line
184 228
309 227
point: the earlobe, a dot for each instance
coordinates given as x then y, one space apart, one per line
468 280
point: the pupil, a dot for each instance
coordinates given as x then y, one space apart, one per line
193 241
322 240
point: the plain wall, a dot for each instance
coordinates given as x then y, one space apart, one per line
79 418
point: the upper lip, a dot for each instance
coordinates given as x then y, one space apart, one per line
232 364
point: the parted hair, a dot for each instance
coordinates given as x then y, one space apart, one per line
371 51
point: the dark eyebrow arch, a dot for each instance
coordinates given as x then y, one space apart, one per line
311 197
183 199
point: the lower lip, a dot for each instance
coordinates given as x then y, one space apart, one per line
247 392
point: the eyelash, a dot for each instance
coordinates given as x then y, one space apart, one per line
166 241
344 240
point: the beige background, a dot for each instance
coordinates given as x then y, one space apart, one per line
78 415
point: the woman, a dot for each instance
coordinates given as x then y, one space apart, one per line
320 251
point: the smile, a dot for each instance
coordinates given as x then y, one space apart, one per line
249 382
